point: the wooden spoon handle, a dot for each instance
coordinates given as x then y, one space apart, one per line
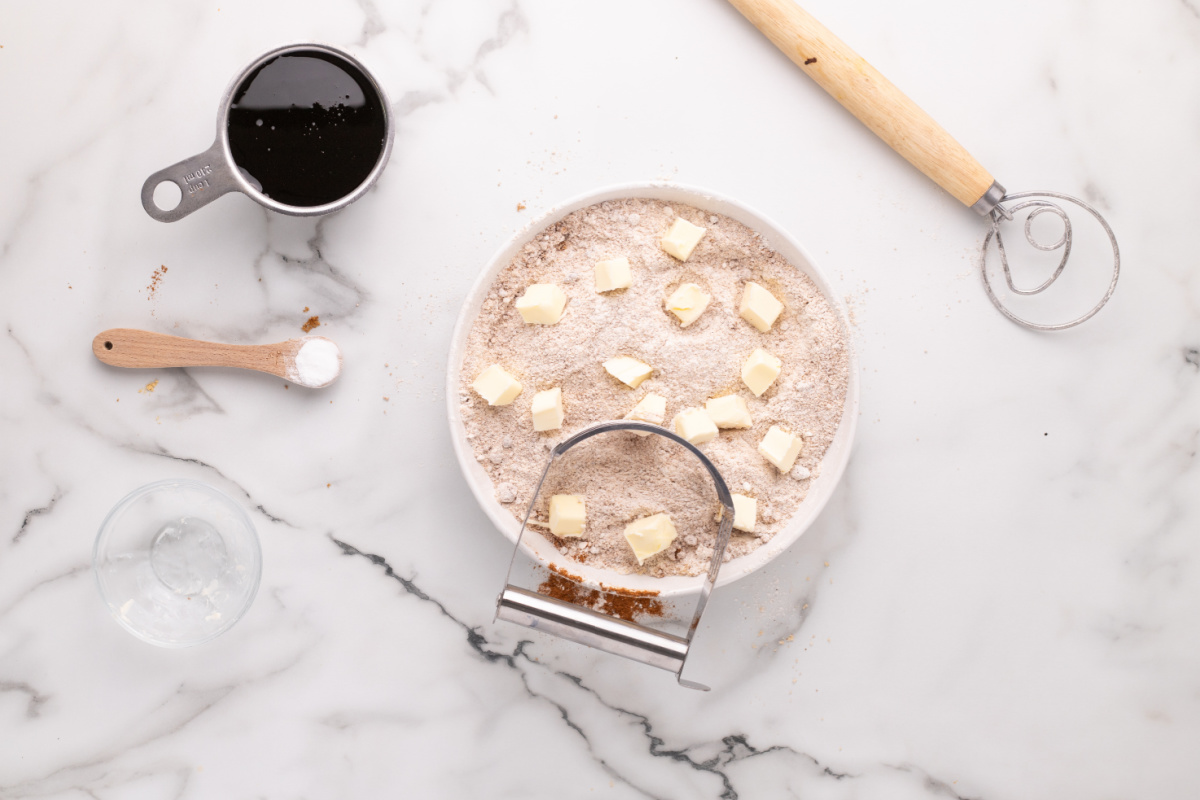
866 94
128 347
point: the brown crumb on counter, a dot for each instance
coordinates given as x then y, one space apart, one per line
520 206
808 61
155 279
149 387
313 322
305 311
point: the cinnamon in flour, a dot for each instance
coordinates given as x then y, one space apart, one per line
624 476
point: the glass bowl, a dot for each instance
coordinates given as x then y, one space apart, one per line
177 562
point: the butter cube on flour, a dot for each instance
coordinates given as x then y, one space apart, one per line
781 448
650 535
694 425
548 410
613 274
652 408
542 304
760 370
688 303
628 371
681 239
745 513
567 515
759 307
729 411
497 386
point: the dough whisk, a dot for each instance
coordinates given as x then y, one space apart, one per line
912 133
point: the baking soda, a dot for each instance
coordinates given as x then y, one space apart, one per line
319 362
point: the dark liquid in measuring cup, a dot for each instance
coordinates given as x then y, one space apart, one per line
307 128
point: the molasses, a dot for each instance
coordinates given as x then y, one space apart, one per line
307 128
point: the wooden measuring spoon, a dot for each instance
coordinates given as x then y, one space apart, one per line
310 361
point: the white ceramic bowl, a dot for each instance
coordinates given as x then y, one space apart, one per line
535 544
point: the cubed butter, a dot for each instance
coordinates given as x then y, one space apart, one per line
781 448
650 535
759 307
567 515
613 274
688 303
729 411
760 370
497 386
745 513
652 408
542 304
628 371
681 239
694 425
548 410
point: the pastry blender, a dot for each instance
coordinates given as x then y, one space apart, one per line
585 626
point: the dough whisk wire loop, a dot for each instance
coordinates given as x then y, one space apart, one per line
1038 202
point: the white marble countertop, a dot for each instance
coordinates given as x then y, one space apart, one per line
1000 602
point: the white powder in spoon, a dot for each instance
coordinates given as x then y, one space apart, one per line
317 363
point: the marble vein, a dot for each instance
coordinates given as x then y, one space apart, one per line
162 452
511 22
34 513
196 703
732 749
475 640
36 699
182 707
67 574
373 23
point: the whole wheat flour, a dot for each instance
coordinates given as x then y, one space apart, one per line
624 476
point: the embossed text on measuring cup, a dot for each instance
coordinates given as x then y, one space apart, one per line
197 181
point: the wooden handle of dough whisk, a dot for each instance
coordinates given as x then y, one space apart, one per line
129 347
878 104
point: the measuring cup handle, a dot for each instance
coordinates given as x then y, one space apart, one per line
201 179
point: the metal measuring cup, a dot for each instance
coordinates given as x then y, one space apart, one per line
205 177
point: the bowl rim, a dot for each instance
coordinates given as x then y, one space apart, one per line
150 488
670 587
